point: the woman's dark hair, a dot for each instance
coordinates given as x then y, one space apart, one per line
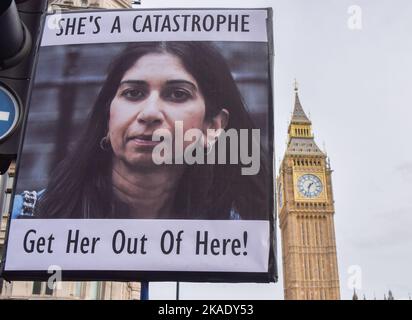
81 185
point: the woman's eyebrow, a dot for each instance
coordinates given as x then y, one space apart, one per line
181 81
136 82
168 82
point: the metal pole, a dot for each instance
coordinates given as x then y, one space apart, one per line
177 290
144 290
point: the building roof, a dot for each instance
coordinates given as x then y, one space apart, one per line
303 146
299 116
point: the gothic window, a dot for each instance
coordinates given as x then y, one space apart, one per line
310 268
320 231
95 290
36 287
307 266
78 289
322 262
302 233
319 271
40 288
48 291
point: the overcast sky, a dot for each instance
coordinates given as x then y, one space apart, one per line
356 86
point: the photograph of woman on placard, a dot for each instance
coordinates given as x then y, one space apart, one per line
114 170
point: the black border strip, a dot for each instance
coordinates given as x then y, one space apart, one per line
135 276
273 259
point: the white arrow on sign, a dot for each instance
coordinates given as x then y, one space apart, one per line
4 116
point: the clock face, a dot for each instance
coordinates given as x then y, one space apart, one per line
310 185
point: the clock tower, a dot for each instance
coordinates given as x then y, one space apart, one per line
306 210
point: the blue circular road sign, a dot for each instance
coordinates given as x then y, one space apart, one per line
9 113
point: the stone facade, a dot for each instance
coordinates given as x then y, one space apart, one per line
306 211
71 291
89 4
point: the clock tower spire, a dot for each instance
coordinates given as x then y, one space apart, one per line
300 126
306 210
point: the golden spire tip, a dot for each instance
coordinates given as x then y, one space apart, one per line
296 85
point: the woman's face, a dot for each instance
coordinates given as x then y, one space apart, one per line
153 94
